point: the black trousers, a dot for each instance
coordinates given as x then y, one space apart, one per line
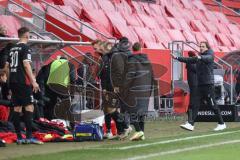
118 119
206 93
193 104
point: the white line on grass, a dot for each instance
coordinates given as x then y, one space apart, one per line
174 140
181 150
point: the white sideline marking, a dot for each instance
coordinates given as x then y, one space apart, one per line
174 140
182 150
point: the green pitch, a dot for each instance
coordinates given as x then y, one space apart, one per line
164 141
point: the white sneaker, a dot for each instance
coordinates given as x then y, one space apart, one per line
126 133
187 126
220 127
108 135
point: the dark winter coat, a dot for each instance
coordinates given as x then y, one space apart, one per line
204 67
134 77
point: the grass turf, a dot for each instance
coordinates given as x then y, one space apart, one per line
155 131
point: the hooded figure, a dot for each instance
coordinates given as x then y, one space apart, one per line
132 79
132 75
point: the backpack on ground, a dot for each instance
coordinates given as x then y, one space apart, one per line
88 132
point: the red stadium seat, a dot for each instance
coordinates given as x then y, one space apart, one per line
210 38
172 11
235 40
106 5
199 37
221 17
96 16
199 5
176 35
161 35
123 30
174 3
234 29
210 16
148 21
144 34
132 19
147 8
187 4
210 27
187 15
223 28
197 26
223 40
76 6
174 23
156 10
89 4
184 25
116 18
198 15
163 22
101 28
123 7
89 32
189 36
138 7
63 18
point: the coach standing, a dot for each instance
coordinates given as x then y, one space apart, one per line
204 66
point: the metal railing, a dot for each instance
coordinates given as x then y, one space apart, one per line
50 34
166 105
171 47
43 28
78 21
220 5
39 17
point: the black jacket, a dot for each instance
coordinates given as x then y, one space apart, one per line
4 54
204 67
192 74
104 73
134 77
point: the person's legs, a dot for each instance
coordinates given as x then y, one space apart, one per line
212 102
107 118
209 96
16 122
119 123
139 127
142 122
28 118
194 104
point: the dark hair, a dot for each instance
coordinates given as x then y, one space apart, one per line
191 54
123 39
22 31
136 46
207 44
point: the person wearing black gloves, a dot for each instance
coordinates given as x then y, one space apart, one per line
205 77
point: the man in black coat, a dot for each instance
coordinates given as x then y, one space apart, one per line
205 77
192 83
132 78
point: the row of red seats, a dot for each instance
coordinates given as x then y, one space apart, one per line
152 24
